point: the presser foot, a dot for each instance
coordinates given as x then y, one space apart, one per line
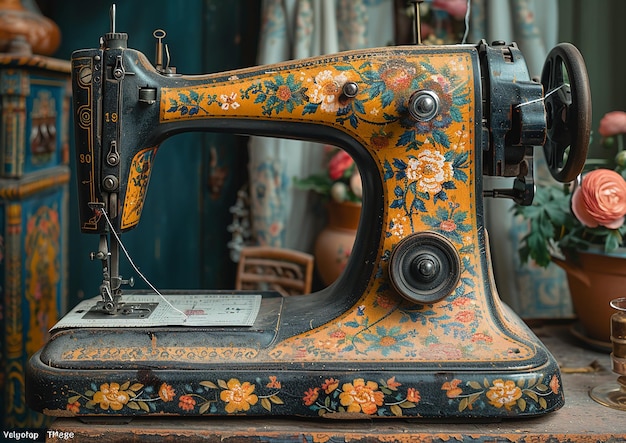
124 310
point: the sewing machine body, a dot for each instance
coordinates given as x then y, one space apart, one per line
379 342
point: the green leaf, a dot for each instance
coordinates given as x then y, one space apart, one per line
533 395
276 400
396 410
209 384
266 404
613 240
133 405
463 404
474 385
543 403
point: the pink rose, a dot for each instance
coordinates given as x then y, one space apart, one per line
338 164
612 123
600 199
456 8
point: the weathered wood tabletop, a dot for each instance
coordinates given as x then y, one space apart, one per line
581 419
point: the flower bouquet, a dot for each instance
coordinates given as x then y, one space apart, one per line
580 227
340 181
587 214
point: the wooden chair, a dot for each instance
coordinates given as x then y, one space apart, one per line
287 271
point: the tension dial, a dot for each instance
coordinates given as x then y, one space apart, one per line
424 267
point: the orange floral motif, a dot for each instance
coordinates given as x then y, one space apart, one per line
504 393
186 403
283 93
361 396
413 395
397 75
330 385
239 396
461 301
110 396
386 302
452 389
479 336
447 226
393 384
464 316
555 386
73 407
166 392
338 333
274 383
311 395
380 140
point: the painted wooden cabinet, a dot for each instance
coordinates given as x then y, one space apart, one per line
34 177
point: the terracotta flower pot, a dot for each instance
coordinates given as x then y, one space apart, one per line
333 245
594 279
17 22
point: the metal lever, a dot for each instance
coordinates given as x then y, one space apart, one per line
112 18
417 31
159 34
523 190
161 49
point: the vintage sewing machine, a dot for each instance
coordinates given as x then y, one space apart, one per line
413 328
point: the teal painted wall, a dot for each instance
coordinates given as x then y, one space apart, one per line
597 29
181 239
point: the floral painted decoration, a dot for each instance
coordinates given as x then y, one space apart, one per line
356 396
233 395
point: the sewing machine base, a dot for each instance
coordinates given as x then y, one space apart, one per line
196 371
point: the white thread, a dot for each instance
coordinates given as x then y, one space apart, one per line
130 260
467 24
543 98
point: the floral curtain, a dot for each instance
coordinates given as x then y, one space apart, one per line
532 291
282 216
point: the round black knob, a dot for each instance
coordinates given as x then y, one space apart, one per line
423 105
350 89
424 267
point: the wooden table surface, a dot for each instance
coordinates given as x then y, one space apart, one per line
581 419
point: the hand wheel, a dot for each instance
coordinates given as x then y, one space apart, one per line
568 111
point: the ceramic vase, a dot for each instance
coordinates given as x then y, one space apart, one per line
24 30
594 279
334 243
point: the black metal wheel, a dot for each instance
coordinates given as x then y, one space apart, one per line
568 111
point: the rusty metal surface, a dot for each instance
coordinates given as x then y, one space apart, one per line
581 419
